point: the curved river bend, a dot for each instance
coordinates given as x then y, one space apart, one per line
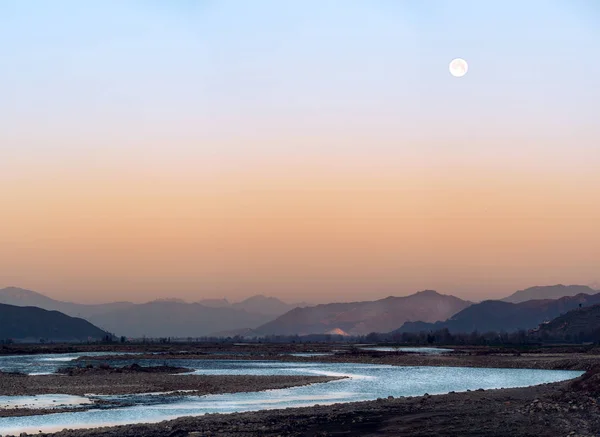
364 382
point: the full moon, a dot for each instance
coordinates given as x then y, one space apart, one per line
458 67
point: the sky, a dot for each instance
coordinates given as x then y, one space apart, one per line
312 150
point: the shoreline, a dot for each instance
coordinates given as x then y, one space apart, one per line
92 385
541 361
569 408
543 410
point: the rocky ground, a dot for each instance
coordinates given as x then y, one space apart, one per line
549 410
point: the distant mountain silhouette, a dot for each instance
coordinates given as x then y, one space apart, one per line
365 317
215 303
548 292
269 306
170 317
496 315
32 324
259 304
174 319
21 297
170 299
581 324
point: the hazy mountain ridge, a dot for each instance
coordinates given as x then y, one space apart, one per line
270 306
169 299
215 303
365 317
162 317
262 315
33 324
496 315
259 304
549 292
21 297
175 319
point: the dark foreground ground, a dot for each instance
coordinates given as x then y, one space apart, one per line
561 409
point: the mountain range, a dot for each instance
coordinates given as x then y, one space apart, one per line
32 324
174 319
358 318
21 297
549 292
261 315
259 304
495 315
160 318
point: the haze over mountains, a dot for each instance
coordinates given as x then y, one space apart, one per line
358 318
495 315
174 319
22 297
549 292
32 324
259 304
262 315
160 318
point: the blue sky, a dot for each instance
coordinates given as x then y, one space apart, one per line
104 104
297 60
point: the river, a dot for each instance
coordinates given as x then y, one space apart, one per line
363 382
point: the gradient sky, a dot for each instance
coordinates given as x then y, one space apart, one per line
311 149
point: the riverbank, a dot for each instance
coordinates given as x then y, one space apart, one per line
499 359
559 409
117 384
545 361
550 410
265 348
123 381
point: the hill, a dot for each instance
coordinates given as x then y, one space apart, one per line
581 324
365 317
269 306
22 297
548 292
174 319
32 324
168 317
215 303
495 315
259 304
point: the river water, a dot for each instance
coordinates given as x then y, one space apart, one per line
364 382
